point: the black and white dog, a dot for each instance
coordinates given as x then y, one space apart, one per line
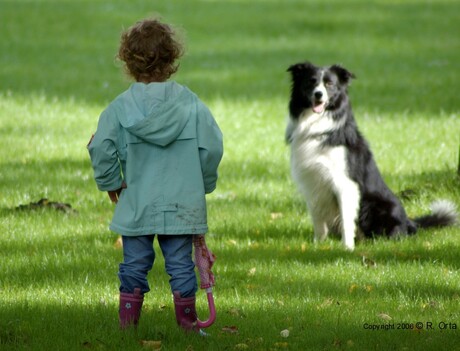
333 166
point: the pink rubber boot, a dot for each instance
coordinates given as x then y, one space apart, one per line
185 312
130 308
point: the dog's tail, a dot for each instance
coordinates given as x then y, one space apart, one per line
443 214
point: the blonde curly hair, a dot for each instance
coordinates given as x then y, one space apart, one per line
149 50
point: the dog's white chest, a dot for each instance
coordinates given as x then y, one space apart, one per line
312 159
310 154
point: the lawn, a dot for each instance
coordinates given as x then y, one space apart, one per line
58 282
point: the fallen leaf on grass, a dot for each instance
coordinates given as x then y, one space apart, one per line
230 330
282 345
285 333
367 262
235 312
353 287
326 303
384 316
431 304
97 345
303 247
252 286
252 271
427 245
151 344
337 343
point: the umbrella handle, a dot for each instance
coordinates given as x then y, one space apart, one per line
212 311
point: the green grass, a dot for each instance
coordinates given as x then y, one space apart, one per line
58 283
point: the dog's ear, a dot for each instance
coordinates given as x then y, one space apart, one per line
300 68
295 69
344 75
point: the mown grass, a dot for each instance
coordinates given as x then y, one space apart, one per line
58 284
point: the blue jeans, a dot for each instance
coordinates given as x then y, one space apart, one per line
139 256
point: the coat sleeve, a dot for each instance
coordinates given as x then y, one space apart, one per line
105 153
210 146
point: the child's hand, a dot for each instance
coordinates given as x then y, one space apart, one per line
115 194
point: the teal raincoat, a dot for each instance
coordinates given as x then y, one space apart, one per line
164 143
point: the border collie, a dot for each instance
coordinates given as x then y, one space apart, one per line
333 166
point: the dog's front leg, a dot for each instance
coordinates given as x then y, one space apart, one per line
348 197
320 228
316 210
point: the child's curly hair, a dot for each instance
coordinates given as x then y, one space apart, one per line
149 50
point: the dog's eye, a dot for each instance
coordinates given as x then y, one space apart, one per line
329 84
313 81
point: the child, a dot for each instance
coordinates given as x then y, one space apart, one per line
156 152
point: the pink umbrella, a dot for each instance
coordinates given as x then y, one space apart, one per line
204 259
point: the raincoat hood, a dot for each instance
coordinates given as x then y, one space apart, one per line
156 112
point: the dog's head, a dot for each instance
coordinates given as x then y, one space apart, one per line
318 88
